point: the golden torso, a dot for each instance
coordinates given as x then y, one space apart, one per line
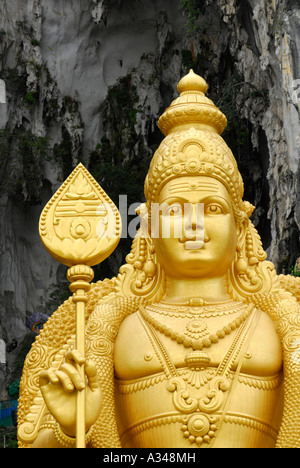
166 399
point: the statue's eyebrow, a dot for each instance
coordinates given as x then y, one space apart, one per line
207 199
183 186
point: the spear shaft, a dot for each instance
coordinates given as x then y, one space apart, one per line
80 277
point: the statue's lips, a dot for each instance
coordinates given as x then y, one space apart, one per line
194 242
194 245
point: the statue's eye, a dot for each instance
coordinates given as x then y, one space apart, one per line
174 210
214 209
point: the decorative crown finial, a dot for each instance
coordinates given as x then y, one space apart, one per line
192 108
192 82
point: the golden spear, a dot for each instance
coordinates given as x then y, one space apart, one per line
80 226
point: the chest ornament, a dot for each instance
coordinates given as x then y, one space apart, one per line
200 426
197 374
199 393
196 329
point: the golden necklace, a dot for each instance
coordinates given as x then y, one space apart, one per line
205 311
206 342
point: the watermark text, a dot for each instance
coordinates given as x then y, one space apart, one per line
184 221
2 92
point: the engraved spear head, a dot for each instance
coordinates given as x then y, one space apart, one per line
80 224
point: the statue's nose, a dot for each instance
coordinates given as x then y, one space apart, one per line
194 217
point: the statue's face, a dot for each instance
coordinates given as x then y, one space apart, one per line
195 233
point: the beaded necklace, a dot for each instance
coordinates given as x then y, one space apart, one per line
206 342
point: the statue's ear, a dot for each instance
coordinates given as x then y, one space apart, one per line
242 227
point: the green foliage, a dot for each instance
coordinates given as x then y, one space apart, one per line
21 155
198 62
62 154
11 439
25 28
192 9
2 35
35 42
31 98
120 112
71 104
295 271
15 81
32 150
38 69
14 388
117 176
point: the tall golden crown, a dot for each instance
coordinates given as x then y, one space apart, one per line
193 145
192 107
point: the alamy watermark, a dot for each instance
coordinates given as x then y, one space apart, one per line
2 92
184 221
2 352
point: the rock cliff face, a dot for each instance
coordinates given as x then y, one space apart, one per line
87 80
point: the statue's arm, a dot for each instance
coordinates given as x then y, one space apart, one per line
101 330
284 308
288 326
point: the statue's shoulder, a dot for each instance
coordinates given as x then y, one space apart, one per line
113 309
282 300
290 284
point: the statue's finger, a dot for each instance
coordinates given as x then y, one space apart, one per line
73 375
48 376
74 356
92 376
65 381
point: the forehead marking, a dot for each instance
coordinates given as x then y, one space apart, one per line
176 187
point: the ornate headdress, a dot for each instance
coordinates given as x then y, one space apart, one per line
192 145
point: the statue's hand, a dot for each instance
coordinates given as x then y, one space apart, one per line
59 389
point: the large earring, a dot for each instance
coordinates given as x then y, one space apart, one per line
240 266
139 263
147 265
150 267
249 250
141 276
146 245
246 275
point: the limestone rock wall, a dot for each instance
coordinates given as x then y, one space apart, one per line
87 80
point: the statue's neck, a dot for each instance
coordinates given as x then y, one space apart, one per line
208 289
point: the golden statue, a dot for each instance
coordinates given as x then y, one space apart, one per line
195 344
